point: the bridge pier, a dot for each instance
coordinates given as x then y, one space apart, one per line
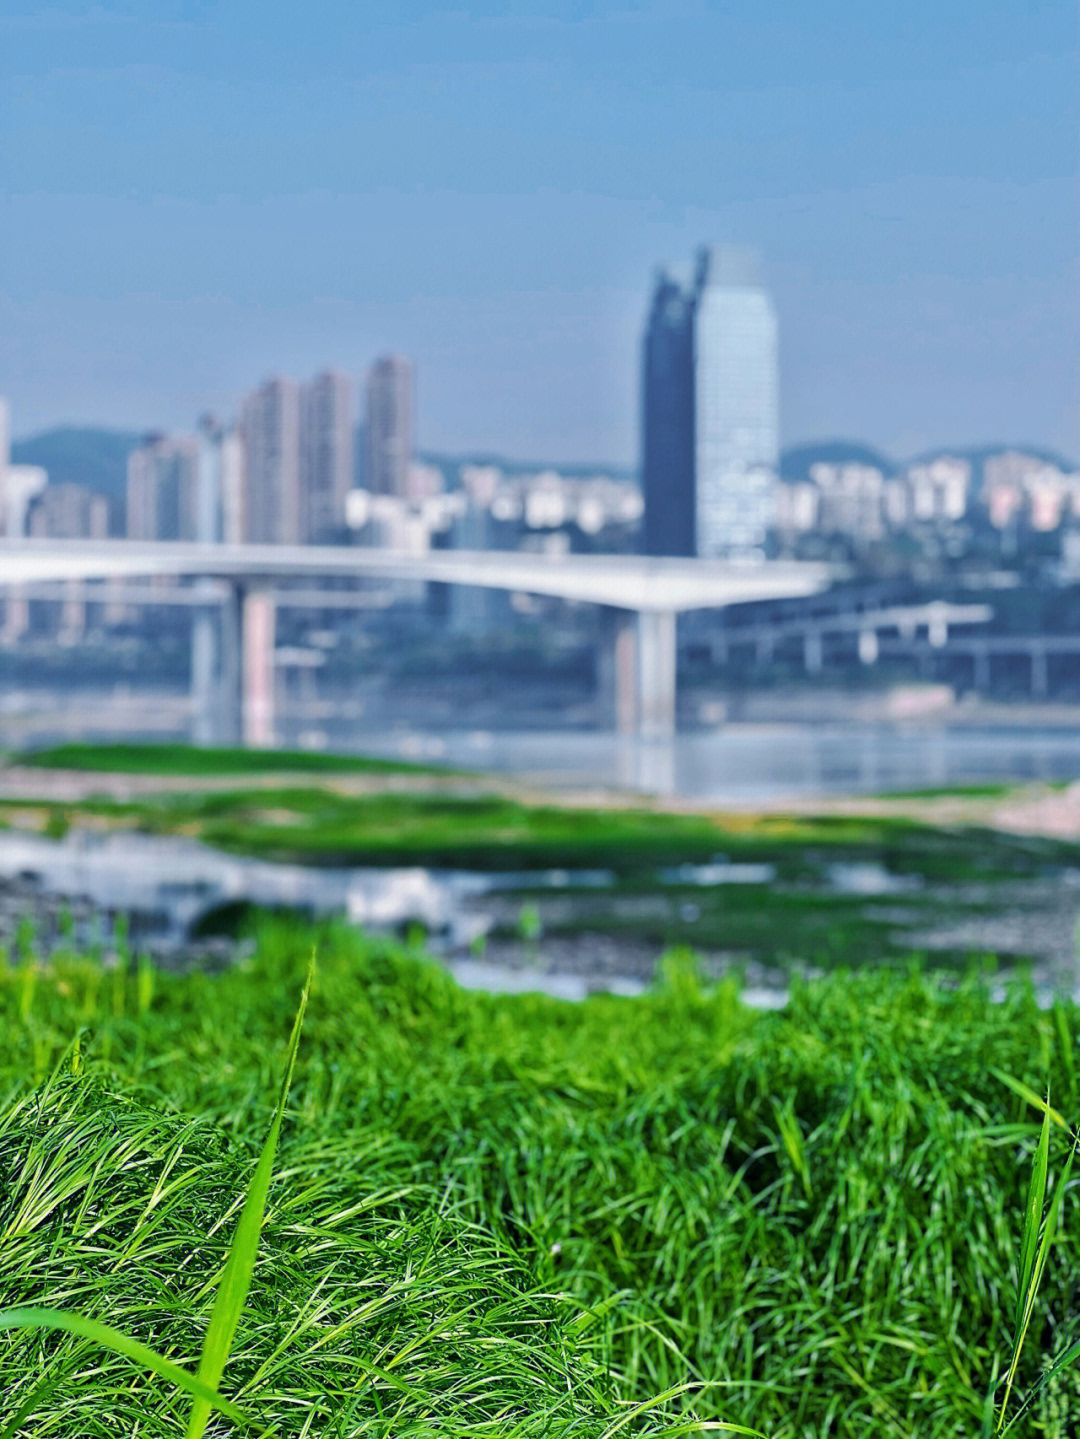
656 673
230 674
16 614
72 625
258 622
1040 672
637 669
206 701
217 698
813 652
203 667
617 669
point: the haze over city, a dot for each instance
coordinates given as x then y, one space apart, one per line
196 196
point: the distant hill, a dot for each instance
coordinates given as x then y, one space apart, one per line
977 457
796 463
452 465
81 456
97 458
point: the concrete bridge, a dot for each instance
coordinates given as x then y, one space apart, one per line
236 590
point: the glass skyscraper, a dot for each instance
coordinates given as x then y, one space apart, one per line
710 411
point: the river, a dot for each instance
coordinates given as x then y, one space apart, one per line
736 763
742 764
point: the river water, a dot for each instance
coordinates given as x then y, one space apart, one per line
734 763
742 764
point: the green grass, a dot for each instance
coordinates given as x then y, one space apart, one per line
486 830
183 759
232 1290
512 1216
989 789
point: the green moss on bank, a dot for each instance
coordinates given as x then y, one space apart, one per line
184 759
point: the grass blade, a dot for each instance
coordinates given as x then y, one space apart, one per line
1038 1265
1025 1092
588 1317
31 1317
691 1427
236 1276
711 1426
40 1392
1033 1213
1063 1360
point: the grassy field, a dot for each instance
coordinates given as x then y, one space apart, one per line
511 1216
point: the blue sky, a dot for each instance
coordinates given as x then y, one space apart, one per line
193 195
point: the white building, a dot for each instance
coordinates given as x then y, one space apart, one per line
20 487
270 426
162 489
736 405
326 455
220 514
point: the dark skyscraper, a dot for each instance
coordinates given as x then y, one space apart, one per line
709 411
667 409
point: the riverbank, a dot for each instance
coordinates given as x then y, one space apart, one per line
515 886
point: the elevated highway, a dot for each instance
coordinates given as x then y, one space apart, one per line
237 589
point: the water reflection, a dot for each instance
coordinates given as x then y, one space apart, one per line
744 763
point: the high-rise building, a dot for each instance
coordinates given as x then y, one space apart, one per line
326 454
22 485
68 512
161 489
19 484
667 412
5 465
270 428
219 510
710 428
391 404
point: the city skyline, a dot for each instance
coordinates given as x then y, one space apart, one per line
910 178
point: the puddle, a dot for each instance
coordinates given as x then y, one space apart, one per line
168 884
589 935
865 877
719 872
